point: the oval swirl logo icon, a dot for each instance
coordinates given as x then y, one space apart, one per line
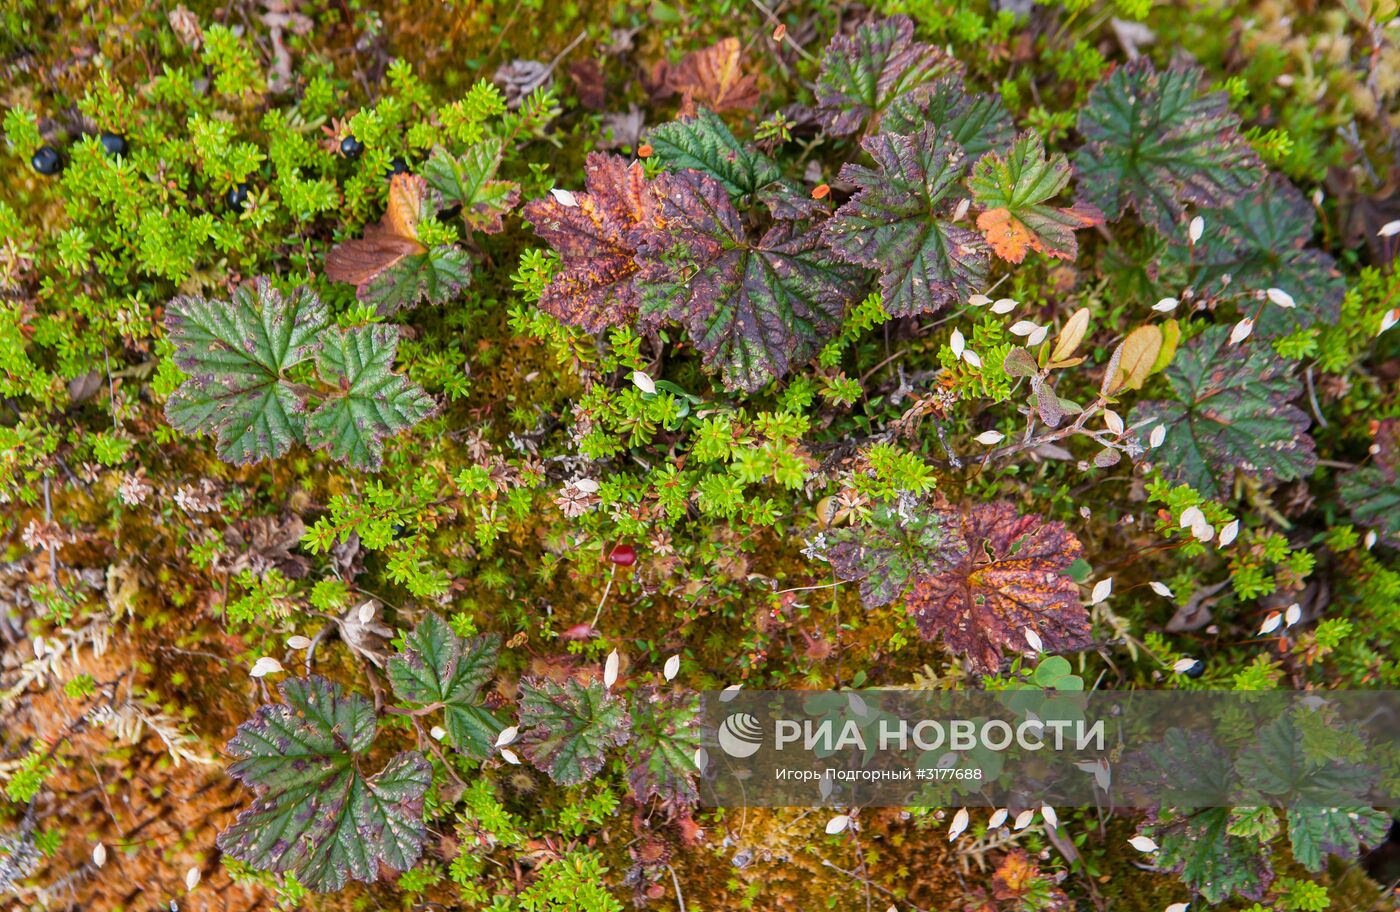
740 735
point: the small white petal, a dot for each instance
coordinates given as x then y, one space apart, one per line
979 300
1023 820
1203 531
1281 298
1023 328
961 210
564 197
1143 844
587 485
1102 590
1370 540
507 735
1034 640
1113 421
672 668
1177 907
1050 816
99 855
1161 589
1158 436
1184 665
366 612
729 693
509 756
643 381
1166 305
960 822
1271 623
1241 331
1191 516
610 668
1198 228
298 642
971 357
1003 306
957 343
192 878
265 666
1389 229
1038 336
1229 531
1390 319
438 732
1294 614
702 759
987 438
998 818
825 788
837 824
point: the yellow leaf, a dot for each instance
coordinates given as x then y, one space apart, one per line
1171 335
1140 352
1071 335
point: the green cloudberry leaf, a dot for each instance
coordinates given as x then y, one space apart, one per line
316 814
1317 832
704 143
900 223
373 402
1013 189
435 276
437 666
1260 242
569 726
864 74
468 181
898 542
1156 144
753 308
237 354
1372 492
1198 846
978 122
661 752
1232 412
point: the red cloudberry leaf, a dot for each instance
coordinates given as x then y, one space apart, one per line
862 75
595 232
1013 188
1010 578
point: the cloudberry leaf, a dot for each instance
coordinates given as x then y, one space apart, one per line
372 402
316 815
1372 492
237 354
596 237
1154 143
1260 242
661 752
390 268
1008 575
1198 846
977 122
569 726
469 181
1317 832
898 543
863 75
437 666
1013 188
714 78
898 223
753 308
1231 411
705 144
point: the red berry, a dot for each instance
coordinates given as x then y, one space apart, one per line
623 555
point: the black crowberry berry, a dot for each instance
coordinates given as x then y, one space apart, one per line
113 143
351 147
47 160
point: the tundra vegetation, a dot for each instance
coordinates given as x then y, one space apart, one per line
409 406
